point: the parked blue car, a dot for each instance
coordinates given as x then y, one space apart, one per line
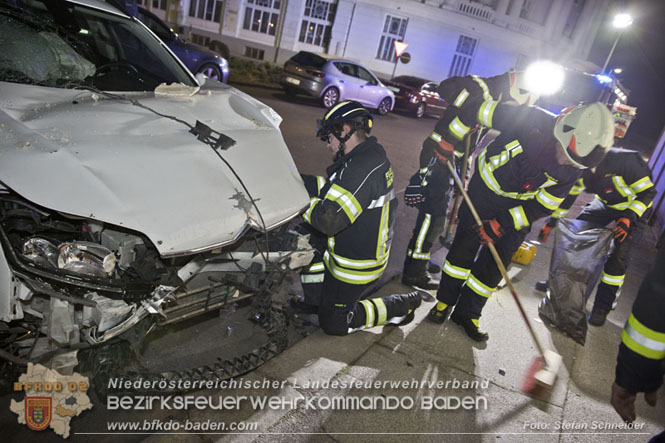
198 59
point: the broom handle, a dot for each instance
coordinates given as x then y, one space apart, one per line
458 198
497 259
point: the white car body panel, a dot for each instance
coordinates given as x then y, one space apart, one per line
85 155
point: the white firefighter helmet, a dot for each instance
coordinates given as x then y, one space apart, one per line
518 90
585 133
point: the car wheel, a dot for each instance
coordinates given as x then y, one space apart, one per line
384 106
420 110
330 97
211 71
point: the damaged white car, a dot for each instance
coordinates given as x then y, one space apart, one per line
134 197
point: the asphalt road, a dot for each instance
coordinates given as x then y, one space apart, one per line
400 134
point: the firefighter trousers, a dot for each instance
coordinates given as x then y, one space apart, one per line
430 221
341 308
614 270
467 281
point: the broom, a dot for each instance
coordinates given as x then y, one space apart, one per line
542 372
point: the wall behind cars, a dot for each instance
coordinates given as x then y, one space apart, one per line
445 37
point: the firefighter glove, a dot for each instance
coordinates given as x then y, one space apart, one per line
547 229
489 232
444 151
622 229
414 192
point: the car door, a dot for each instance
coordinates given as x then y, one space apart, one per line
371 93
349 83
435 104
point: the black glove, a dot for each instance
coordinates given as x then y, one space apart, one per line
545 231
489 232
414 192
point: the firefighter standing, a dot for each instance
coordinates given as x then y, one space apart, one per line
624 190
521 176
427 189
352 213
641 359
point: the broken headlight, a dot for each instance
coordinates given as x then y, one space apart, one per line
80 257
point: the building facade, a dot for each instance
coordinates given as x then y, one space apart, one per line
444 37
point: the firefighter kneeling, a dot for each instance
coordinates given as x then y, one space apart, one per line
352 213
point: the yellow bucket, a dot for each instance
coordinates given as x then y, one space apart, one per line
525 253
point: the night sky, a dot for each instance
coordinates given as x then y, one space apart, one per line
641 54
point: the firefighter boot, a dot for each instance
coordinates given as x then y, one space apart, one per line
415 275
598 316
439 313
470 326
400 308
605 296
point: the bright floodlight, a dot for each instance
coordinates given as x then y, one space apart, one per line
622 21
618 70
604 78
544 77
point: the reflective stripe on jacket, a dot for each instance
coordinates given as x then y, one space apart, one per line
355 208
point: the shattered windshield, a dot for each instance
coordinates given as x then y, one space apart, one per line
57 44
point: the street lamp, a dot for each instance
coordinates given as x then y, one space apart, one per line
621 22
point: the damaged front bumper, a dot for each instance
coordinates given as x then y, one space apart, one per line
78 284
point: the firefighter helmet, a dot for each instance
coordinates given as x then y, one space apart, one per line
519 91
344 112
586 133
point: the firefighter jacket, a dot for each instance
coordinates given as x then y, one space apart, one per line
457 91
622 181
641 359
520 165
355 208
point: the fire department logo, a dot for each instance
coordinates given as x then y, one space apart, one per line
51 399
38 412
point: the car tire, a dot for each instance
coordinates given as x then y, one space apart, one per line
384 106
420 110
330 97
211 71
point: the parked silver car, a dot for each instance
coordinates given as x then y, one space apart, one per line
334 79
132 201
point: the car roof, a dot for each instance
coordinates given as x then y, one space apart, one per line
99 4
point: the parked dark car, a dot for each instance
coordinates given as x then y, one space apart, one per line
198 59
417 95
334 79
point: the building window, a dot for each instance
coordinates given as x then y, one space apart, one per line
535 12
466 47
209 10
573 18
159 4
200 39
317 22
393 29
254 53
261 16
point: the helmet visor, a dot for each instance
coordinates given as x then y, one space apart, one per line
590 160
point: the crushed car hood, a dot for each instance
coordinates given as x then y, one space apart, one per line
91 156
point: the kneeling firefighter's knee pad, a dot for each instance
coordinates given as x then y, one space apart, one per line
335 320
